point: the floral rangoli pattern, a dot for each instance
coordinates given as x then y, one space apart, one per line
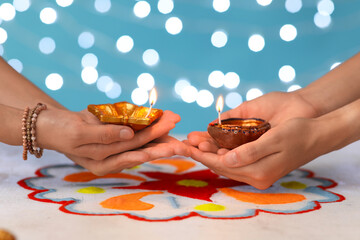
175 189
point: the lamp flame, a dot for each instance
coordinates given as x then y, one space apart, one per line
153 97
220 104
152 100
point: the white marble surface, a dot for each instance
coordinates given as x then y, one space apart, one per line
29 219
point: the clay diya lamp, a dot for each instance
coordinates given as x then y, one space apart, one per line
124 113
234 132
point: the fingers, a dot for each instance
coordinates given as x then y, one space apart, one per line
210 160
100 151
195 138
159 151
250 152
203 141
163 126
112 164
263 173
222 151
208 147
107 133
167 146
115 163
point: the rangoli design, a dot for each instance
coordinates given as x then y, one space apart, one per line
175 189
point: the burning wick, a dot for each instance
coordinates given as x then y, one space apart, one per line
219 106
152 100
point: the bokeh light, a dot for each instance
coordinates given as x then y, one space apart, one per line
180 85
151 57
264 2
86 40
124 44
189 94
3 35
21 5
288 32
54 81
233 99
89 75
16 64
321 20
64 3
114 91
287 73
165 6
92 44
102 6
293 88
256 43
204 98
216 79
89 60
253 93
231 80
7 12
47 45
139 96
293 6
219 39
173 25
326 7
146 81
221 5
335 65
104 83
48 15
142 9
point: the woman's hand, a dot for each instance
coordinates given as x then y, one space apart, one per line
165 146
82 137
274 107
279 151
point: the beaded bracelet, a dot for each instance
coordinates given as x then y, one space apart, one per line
29 131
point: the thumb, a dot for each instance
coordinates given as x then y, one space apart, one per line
108 133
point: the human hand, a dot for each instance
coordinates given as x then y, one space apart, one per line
83 137
274 107
276 153
164 146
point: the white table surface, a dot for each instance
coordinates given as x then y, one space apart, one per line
28 219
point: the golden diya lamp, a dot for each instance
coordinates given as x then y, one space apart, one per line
124 113
233 132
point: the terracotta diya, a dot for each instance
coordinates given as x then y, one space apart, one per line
234 132
124 113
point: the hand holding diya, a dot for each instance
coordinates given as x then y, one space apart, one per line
233 132
124 113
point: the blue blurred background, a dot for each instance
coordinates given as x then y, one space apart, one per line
104 51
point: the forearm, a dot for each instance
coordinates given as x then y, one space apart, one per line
18 92
337 88
340 127
10 130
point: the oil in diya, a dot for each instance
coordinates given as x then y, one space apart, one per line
124 113
233 132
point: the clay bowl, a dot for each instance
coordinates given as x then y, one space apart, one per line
125 113
234 132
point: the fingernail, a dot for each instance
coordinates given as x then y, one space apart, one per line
231 159
125 134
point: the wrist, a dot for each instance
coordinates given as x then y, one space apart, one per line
303 96
340 127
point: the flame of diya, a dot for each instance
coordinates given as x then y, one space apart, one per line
125 113
234 132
